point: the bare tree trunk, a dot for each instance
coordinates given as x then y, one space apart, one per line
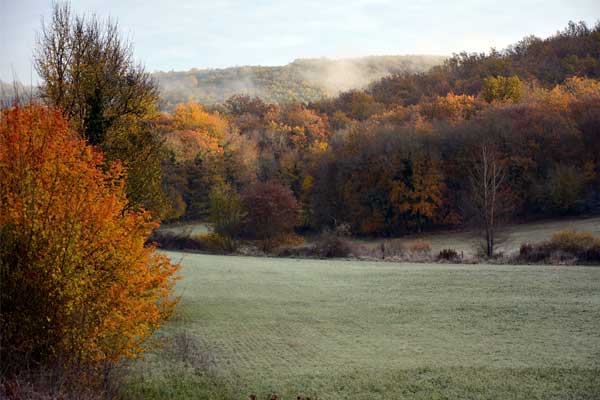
487 178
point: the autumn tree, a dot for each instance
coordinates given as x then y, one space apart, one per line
502 88
358 104
76 279
425 196
227 212
272 211
451 108
88 72
193 116
195 137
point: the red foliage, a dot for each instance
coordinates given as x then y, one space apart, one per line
272 211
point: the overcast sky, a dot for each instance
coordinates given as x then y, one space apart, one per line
182 34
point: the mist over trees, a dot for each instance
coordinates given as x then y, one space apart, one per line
302 80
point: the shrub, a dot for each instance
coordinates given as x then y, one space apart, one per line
290 239
172 241
60 381
448 255
573 242
215 243
392 248
209 242
531 253
564 246
76 279
331 245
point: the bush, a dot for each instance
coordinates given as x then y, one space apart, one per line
564 246
573 242
76 280
209 242
448 255
331 245
392 248
172 241
290 239
215 243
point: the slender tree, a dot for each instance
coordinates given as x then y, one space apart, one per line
487 180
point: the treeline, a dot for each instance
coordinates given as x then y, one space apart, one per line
302 81
411 152
571 52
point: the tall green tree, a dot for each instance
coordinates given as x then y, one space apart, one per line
88 71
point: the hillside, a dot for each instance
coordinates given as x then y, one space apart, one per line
302 80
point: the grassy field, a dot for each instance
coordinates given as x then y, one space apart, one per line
187 228
367 330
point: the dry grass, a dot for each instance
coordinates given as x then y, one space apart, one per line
466 243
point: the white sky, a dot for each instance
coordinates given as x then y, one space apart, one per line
182 34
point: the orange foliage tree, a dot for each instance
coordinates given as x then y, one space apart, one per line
76 278
452 108
193 116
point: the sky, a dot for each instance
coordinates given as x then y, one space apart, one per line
184 34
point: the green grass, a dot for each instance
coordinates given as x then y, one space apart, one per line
362 330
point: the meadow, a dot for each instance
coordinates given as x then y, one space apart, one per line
367 330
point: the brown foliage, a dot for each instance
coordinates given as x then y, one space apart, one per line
272 211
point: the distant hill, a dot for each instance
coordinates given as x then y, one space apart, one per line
303 80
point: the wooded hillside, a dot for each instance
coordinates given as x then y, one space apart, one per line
303 80
413 151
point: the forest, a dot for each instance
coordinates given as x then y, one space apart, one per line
403 154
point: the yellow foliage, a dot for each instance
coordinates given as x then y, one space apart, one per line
452 108
193 116
188 144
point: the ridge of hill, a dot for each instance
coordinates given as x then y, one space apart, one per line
303 80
